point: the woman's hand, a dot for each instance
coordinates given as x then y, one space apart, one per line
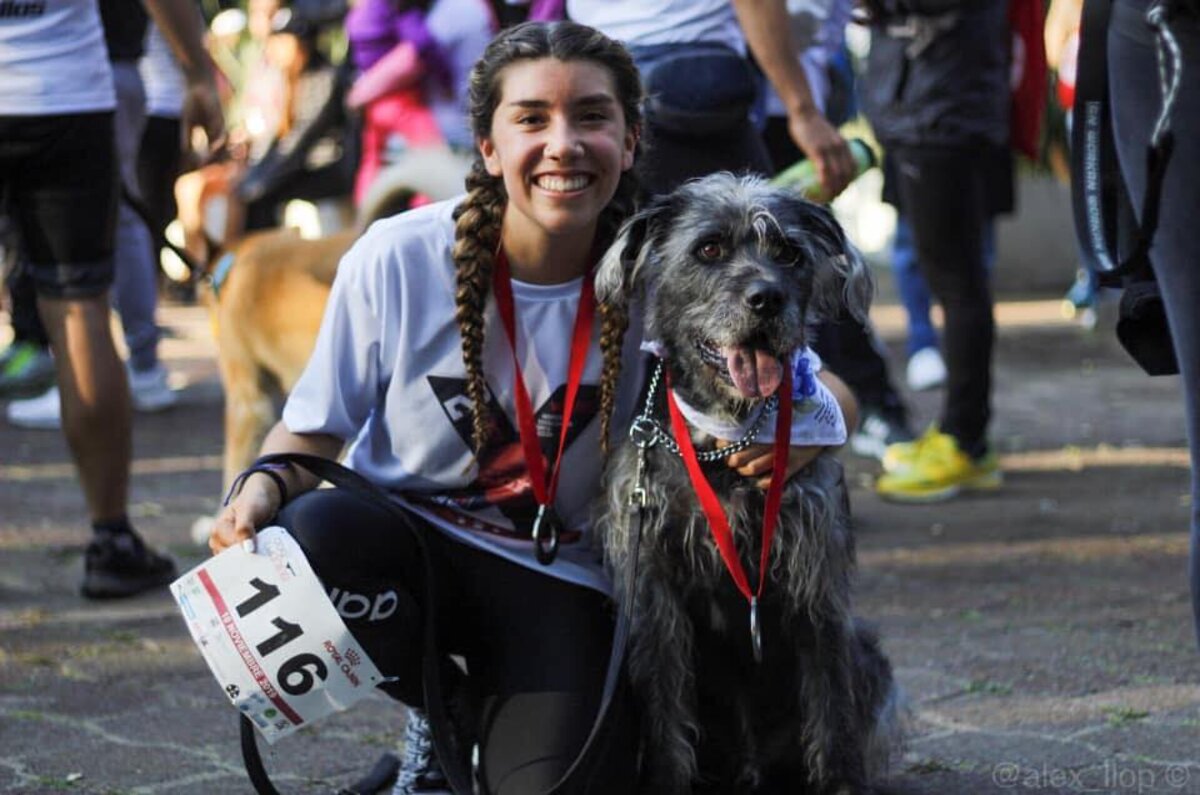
757 460
253 507
261 497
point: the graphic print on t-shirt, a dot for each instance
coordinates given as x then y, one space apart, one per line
503 479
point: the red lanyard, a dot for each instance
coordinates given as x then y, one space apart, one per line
718 522
546 526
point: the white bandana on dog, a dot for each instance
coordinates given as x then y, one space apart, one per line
816 416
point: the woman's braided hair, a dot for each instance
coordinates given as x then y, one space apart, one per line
480 215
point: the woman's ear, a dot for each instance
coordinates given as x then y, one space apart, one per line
632 135
491 158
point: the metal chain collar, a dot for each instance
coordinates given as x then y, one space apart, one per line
645 432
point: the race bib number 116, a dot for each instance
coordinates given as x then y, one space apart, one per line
271 637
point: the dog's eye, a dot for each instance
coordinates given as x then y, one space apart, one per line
710 250
789 254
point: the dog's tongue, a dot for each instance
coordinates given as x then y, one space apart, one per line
755 373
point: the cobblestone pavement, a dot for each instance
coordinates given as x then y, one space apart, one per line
1042 632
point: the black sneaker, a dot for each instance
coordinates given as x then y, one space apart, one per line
120 564
878 429
420 771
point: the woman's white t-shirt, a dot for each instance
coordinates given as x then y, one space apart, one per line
53 59
387 373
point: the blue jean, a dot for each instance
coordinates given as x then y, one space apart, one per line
914 290
135 287
1175 253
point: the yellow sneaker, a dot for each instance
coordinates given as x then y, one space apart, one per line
901 455
933 469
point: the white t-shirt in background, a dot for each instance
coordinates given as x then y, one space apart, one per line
53 59
641 23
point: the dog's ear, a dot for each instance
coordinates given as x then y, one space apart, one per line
841 280
618 275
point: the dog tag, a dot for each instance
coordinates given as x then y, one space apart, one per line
546 529
755 630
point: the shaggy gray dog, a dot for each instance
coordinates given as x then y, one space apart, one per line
730 271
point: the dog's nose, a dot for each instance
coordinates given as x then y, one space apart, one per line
763 299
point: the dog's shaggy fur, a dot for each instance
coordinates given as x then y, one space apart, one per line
729 264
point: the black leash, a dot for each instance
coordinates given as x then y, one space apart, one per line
156 235
452 755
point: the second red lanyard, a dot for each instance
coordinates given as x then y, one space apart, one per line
718 522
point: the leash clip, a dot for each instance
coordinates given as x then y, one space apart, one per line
638 497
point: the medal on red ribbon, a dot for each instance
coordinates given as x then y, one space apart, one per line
718 522
547 526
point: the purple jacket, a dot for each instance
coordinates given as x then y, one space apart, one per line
374 27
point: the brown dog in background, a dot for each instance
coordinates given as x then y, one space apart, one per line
269 293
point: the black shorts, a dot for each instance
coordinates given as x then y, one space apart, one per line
58 177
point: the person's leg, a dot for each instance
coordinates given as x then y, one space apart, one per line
537 650
158 166
26 366
1175 253
942 193
851 350
135 290
65 205
371 567
913 291
94 399
65 190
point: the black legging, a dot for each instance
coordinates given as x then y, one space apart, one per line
943 191
536 647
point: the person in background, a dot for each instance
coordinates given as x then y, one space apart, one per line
938 98
694 56
135 288
59 172
1138 100
412 58
254 102
849 347
160 154
312 155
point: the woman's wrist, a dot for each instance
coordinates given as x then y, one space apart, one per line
272 484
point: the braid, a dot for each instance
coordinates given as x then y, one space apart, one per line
476 235
614 315
614 319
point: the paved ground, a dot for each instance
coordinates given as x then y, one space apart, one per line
1042 632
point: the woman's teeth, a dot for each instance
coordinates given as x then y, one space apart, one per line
563 184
